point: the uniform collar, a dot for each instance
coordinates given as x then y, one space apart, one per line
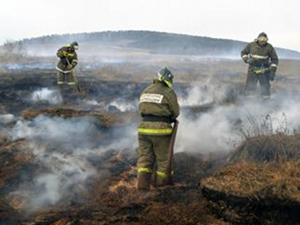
156 81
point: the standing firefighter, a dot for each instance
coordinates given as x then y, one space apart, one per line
159 108
263 61
67 61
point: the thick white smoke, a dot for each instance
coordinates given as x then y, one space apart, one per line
65 174
6 118
119 104
222 127
209 132
51 96
123 105
205 94
71 132
63 149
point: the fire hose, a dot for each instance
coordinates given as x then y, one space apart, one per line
171 153
75 79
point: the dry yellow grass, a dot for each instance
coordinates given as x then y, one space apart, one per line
258 180
277 147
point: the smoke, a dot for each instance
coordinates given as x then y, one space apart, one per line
6 118
65 175
67 152
285 116
205 94
210 132
124 105
93 102
51 96
124 138
74 131
224 125
121 105
27 66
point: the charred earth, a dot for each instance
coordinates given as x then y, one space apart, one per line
70 161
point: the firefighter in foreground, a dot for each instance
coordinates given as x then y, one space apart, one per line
67 62
263 62
159 109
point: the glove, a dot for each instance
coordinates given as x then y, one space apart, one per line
172 119
69 67
245 59
272 75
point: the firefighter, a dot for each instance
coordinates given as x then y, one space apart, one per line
159 108
263 62
67 62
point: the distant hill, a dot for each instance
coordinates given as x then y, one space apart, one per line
156 43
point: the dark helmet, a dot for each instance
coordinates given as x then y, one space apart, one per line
166 76
74 45
262 37
263 34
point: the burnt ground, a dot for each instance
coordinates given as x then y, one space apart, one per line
108 195
111 196
91 177
16 86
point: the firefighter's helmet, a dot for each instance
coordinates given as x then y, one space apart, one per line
74 45
166 76
262 37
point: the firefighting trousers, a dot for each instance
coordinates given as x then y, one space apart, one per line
66 78
264 83
153 150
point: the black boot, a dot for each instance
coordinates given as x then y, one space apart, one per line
144 181
160 182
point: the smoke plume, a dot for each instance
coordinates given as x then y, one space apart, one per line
225 124
51 96
67 151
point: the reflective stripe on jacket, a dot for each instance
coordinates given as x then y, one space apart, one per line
260 56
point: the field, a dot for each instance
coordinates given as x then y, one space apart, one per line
70 158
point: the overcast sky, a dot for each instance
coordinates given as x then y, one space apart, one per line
231 19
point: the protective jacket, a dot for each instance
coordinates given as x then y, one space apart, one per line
260 58
159 108
67 59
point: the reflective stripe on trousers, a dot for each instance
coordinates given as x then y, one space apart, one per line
166 131
160 174
71 83
261 71
144 170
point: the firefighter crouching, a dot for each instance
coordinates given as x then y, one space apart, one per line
67 62
263 62
159 108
